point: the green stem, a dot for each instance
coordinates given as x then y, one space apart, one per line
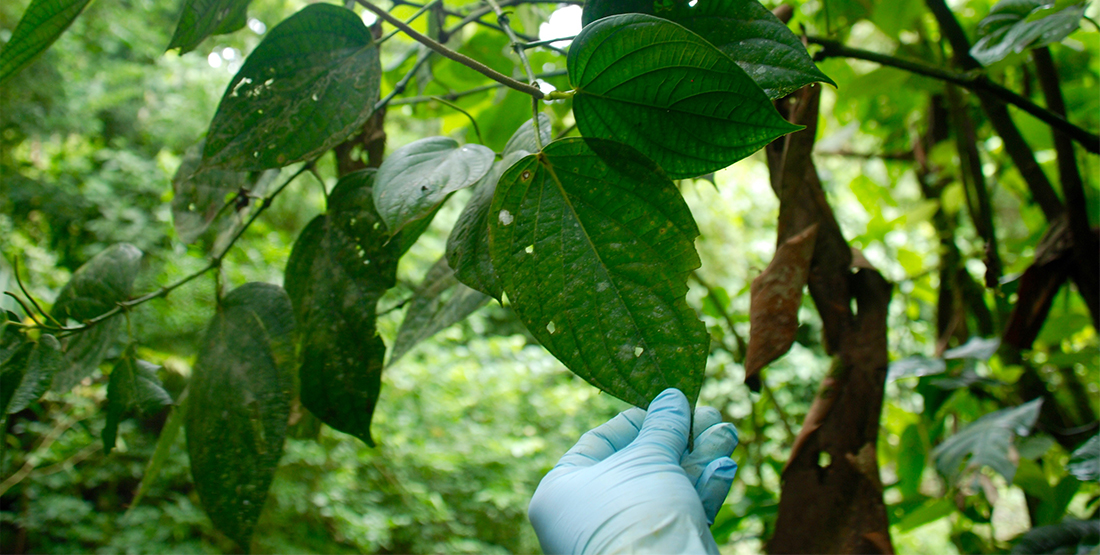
502 20
454 106
451 54
418 13
547 42
468 92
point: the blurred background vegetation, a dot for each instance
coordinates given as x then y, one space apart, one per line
92 133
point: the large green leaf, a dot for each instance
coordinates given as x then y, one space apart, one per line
95 288
341 264
988 441
593 246
468 245
15 348
660 88
202 18
744 29
42 363
134 386
237 417
312 82
1069 536
200 195
416 178
40 25
439 301
1013 26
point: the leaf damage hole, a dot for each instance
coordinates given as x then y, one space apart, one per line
551 327
505 217
530 249
525 175
638 351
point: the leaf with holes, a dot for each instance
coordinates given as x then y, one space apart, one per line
309 84
203 18
666 91
744 29
988 441
439 302
468 245
240 400
39 27
593 245
340 266
95 288
416 178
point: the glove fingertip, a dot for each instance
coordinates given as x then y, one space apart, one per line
714 484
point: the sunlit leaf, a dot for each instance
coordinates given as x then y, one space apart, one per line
439 301
95 288
416 178
237 418
41 24
312 81
978 348
988 441
203 18
664 90
340 266
915 366
593 246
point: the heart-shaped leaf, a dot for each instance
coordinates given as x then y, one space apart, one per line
744 29
312 81
95 288
416 178
39 27
240 402
202 18
593 245
341 264
660 88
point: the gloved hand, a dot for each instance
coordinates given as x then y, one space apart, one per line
630 486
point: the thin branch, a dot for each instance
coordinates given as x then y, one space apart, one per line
547 42
972 80
408 21
26 309
451 54
517 47
713 294
37 454
23 288
454 106
468 92
404 82
214 263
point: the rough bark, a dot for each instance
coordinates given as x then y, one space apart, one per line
831 501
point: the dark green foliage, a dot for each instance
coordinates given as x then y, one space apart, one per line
43 361
593 245
341 265
134 386
312 81
94 290
987 441
439 302
1015 25
239 404
1068 536
654 85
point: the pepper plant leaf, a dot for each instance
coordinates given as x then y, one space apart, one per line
202 18
340 265
237 417
134 386
1013 26
43 361
416 178
200 195
95 288
743 29
39 27
309 84
987 441
593 245
664 90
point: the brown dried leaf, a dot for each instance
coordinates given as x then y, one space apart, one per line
776 296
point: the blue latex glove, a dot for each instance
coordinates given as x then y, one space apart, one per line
630 486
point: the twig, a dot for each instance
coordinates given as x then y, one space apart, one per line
404 82
784 418
712 293
972 80
547 42
451 54
454 106
32 459
418 13
468 92
164 291
23 288
517 47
